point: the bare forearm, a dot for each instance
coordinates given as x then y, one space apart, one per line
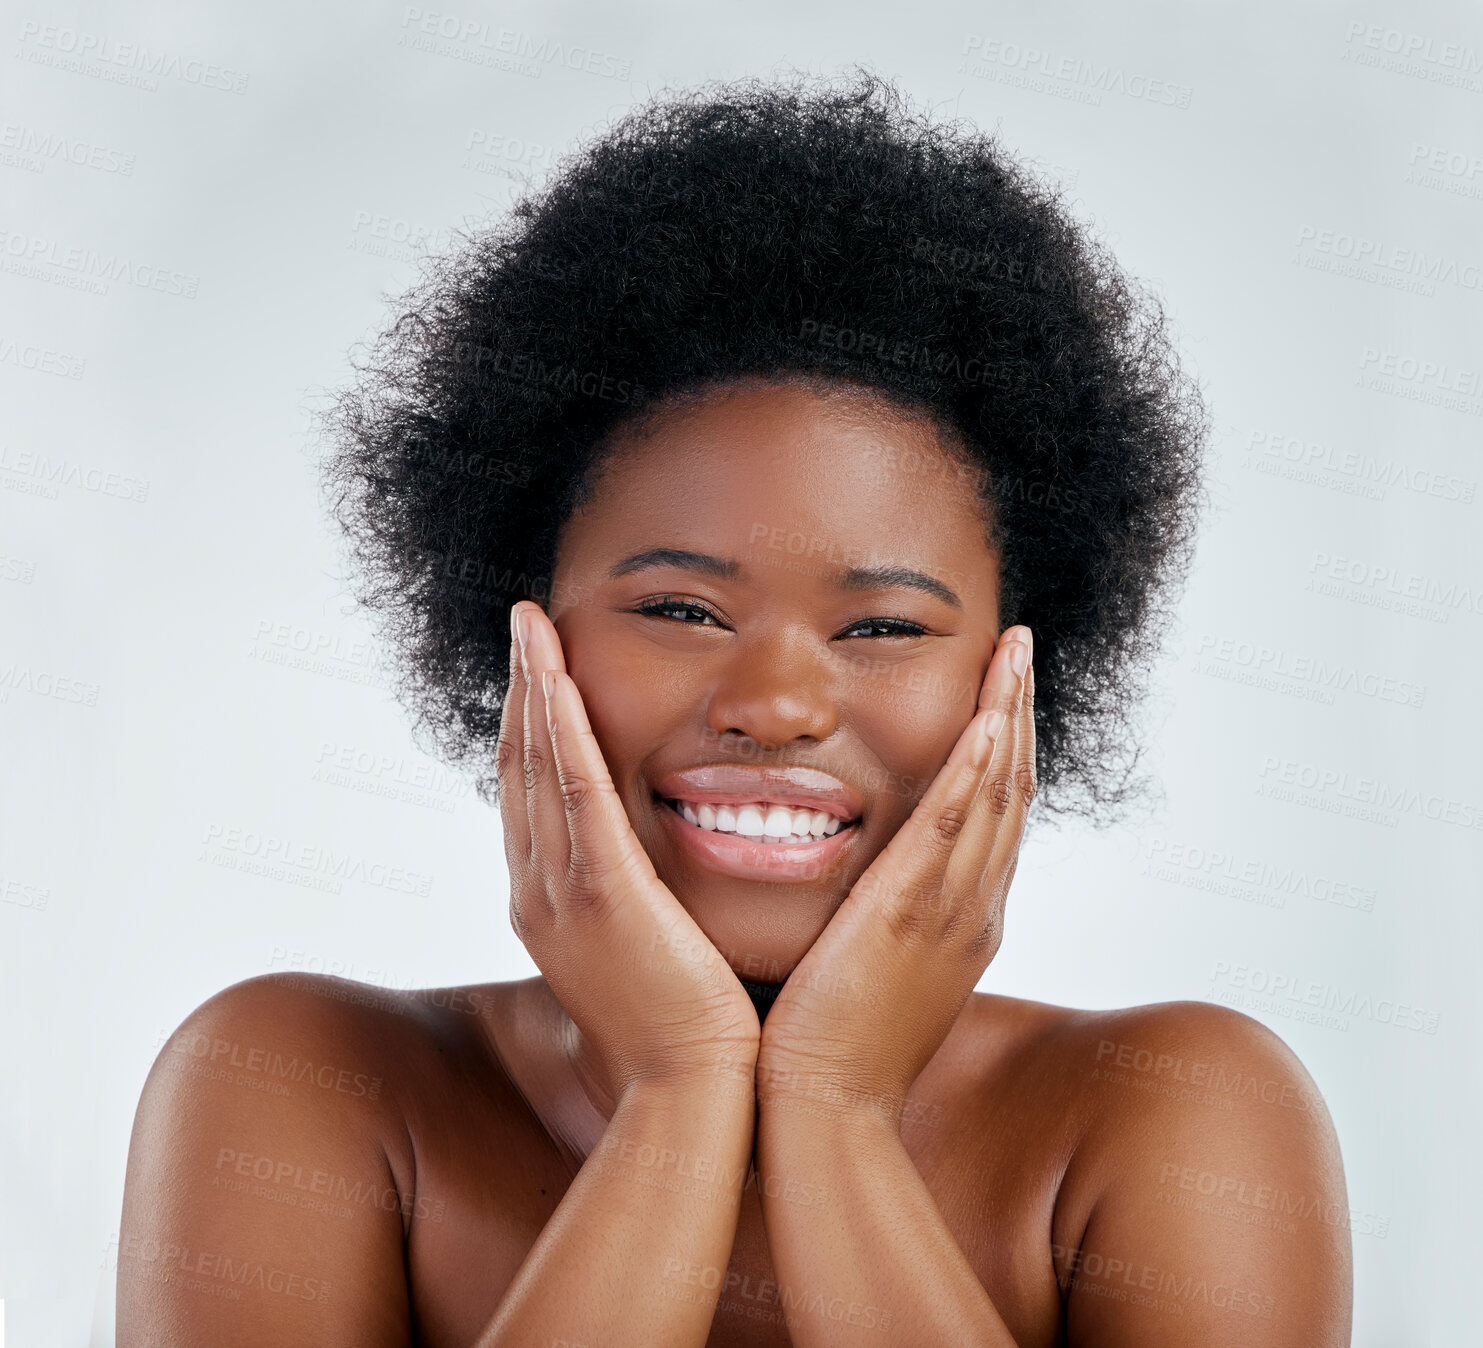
659 1194
873 1262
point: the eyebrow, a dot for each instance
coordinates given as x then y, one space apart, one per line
856 578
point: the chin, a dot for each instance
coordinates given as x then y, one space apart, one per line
763 936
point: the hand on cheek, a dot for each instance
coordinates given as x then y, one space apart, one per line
875 996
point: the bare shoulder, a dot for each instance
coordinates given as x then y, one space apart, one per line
313 1038
1205 1194
271 1177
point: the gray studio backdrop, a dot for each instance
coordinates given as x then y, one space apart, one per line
202 211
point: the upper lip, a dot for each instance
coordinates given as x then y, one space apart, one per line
735 784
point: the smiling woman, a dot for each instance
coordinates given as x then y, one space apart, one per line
771 510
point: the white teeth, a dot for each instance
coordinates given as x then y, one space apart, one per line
779 822
768 823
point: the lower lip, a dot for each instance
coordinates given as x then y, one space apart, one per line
732 854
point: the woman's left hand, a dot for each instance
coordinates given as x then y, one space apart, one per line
875 996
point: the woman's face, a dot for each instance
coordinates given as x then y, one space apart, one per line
822 605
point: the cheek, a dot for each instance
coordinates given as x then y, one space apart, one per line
635 703
911 737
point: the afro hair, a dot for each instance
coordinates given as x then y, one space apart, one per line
785 229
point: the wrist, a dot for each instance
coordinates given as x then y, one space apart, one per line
802 1095
730 1080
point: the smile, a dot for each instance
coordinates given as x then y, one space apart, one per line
783 846
759 821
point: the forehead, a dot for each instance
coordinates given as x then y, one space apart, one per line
763 466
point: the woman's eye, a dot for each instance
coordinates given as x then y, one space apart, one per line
698 615
678 610
886 627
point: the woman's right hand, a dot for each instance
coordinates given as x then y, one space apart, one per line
646 987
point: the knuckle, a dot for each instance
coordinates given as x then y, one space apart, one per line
999 792
534 763
524 915
1007 702
949 822
988 938
589 871
578 795
506 750
912 922
1026 782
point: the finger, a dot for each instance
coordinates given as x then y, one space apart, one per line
509 752
1005 689
992 836
910 871
602 841
1002 692
1021 788
934 833
1002 683
550 842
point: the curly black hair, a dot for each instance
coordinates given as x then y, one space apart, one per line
792 228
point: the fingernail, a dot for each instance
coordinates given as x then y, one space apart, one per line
548 681
1019 658
519 620
993 724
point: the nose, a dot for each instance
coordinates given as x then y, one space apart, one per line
774 691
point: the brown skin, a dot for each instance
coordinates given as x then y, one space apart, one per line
935 1165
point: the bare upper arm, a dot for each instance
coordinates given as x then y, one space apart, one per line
1220 1216
260 1206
